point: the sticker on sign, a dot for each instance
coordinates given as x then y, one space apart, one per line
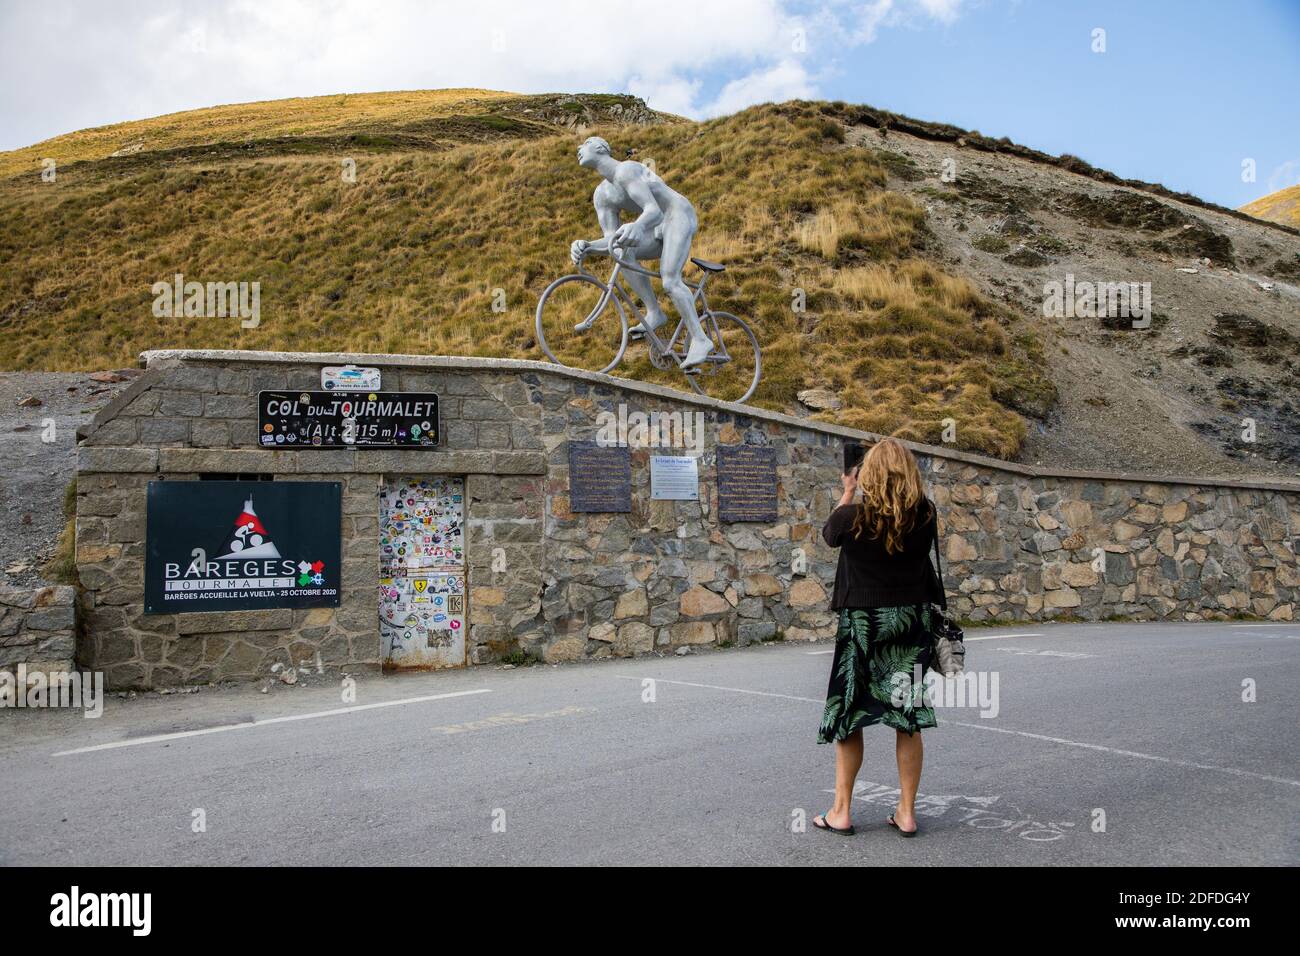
349 378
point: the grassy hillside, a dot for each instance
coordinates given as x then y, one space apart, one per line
369 118
1282 206
406 258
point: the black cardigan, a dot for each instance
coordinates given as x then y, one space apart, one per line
868 576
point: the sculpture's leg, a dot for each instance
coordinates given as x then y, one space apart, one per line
678 231
641 285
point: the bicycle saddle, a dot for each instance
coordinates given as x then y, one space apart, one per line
709 266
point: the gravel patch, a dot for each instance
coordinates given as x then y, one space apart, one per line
38 453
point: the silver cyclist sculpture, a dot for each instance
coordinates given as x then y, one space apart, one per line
717 351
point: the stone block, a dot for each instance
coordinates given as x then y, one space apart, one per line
692 632
112 459
699 602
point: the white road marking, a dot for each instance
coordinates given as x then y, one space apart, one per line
1003 730
734 690
1032 652
1126 753
1285 637
815 653
156 738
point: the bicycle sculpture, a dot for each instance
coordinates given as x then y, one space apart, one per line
576 325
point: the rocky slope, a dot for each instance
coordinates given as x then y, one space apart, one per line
1224 341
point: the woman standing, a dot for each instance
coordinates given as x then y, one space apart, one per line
883 588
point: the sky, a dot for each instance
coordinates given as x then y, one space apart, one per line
1194 94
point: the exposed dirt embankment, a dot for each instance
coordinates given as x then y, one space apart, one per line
1219 364
40 413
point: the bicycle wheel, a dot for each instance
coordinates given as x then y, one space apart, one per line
581 299
731 374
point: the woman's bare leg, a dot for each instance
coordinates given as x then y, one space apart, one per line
848 761
908 750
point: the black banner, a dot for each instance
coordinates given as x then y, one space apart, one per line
134 906
324 419
242 545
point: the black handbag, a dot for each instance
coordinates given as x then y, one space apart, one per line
949 656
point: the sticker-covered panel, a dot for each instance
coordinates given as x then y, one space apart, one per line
422 620
422 612
421 525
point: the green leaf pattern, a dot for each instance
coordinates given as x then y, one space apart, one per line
871 646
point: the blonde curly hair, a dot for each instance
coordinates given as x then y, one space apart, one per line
893 496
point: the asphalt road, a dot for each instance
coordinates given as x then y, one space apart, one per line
572 765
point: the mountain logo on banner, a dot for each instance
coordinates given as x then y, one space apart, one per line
249 539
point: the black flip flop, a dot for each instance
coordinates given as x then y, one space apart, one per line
826 825
901 831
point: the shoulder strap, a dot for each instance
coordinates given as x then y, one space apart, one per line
938 561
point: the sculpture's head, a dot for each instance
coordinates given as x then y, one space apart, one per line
593 148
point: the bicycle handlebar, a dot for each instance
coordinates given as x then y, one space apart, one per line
616 254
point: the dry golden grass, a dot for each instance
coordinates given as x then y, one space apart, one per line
407 258
883 220
1282 206
244 122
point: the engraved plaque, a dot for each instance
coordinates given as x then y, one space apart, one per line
600 479
746 483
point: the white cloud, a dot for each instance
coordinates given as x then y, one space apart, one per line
671 95
83 63
942 10
876 14
1287 174
870 18
785 81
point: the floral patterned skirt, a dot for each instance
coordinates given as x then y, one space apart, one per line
880 654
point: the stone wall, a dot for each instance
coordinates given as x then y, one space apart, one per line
1021 543
37 628
180 421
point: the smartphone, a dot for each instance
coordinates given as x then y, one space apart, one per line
854 452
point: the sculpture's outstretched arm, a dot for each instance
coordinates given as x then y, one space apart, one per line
607 216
